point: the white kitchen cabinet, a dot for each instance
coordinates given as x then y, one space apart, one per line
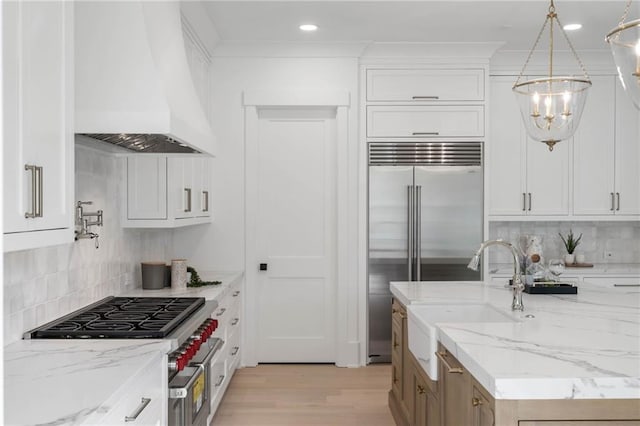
167 191
606 154
143 400
441 121
425 85
525 178
630 283
37 78
225 363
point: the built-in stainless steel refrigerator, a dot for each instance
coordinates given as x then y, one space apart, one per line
425 222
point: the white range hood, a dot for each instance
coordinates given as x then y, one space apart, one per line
132 78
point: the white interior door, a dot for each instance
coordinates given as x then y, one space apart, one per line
295 218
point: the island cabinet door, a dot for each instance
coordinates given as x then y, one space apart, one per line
426 408
483 407
455 391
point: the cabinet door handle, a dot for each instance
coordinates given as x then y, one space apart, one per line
221 311
524 202
395 343
425 133
617 201
236 293
31 168
476 401
613 201
205 194
188 195
420 390
40 173
235 321
235 350
220 380
425 97
454 370
529 202
141 407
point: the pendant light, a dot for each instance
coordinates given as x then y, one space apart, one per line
551 106
624 41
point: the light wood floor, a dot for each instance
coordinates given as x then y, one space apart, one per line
318 395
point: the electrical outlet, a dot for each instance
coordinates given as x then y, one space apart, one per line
608 255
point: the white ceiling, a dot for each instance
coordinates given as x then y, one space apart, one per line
516 23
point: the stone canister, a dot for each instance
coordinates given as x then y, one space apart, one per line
178 273
153 275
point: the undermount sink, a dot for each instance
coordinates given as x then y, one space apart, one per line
423 334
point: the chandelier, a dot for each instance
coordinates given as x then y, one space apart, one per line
624 41
551 106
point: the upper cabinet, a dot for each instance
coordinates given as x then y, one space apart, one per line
607 142
425 103
525 178
416 85
166 191
37 46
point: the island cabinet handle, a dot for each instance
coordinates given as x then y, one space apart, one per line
140 409
420 390
475 401
453 370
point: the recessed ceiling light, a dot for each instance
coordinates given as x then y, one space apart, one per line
308 27
572 27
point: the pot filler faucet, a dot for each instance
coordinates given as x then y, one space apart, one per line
518 286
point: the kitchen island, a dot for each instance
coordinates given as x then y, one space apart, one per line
99 381
570 351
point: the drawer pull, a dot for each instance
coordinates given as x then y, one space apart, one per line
453 370
236 293
221 312
141 407
220 380
475 402
235 321
235 350
425 97
626 285
425 133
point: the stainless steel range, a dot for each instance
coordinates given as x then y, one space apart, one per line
185 320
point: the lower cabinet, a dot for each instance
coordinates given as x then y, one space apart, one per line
458 399
144 401
227 360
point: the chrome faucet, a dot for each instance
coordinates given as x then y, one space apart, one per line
518 286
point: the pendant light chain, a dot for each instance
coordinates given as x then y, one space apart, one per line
625 14
533 49
575 55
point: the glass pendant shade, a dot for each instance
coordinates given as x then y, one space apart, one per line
551 107
625 46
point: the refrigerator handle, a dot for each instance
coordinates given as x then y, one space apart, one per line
418 236
410 232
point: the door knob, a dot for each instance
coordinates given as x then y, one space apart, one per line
263 266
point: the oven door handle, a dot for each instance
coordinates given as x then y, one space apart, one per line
212 351
182 392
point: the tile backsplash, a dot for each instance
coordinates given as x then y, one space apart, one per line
620 239
43 284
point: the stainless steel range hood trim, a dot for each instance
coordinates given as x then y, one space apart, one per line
143 143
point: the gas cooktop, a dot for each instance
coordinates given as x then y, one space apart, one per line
122 318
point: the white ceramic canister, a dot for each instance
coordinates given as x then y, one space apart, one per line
179 273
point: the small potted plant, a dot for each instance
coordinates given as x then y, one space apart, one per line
570 243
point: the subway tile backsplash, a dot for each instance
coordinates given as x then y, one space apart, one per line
620 239
43 284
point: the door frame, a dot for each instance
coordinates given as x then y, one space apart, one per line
347 315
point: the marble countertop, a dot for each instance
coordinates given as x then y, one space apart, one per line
70 382
603 269
584 346
60 382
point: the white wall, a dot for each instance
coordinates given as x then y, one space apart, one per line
43 284
220 245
